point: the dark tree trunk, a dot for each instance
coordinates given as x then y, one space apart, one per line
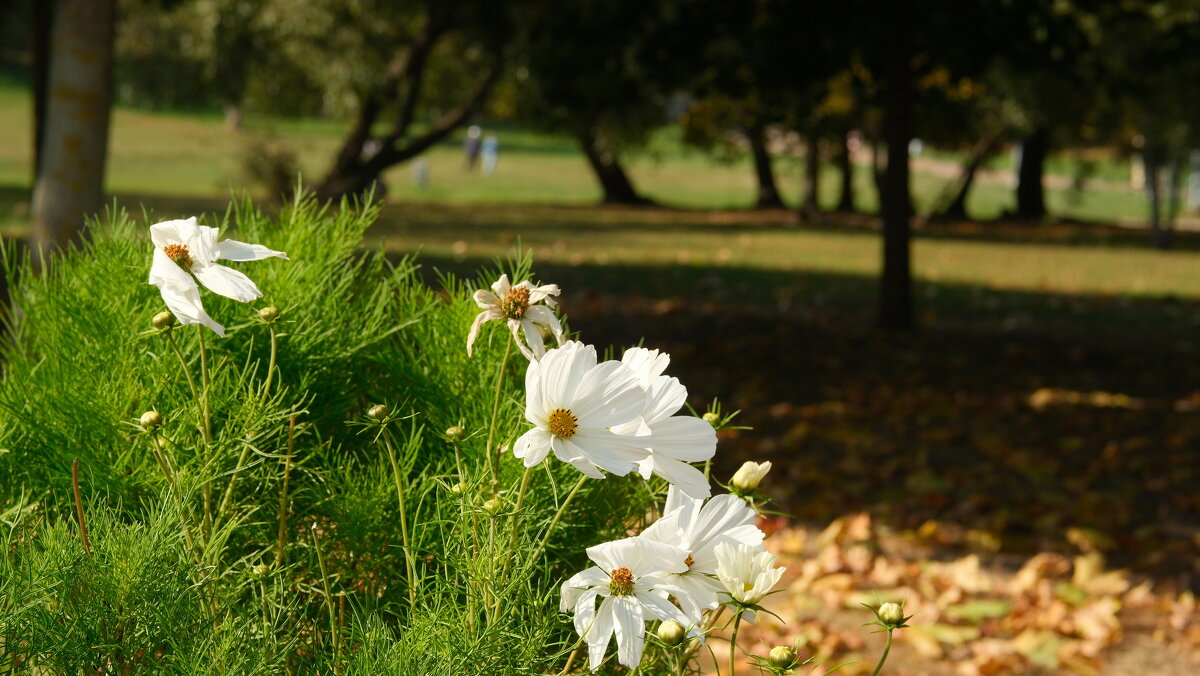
812 173
615 183
43 22
846 167
895 291
768 194
69 185
958 206
1160 235
1031 196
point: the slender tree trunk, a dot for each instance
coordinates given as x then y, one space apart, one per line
812 173
1031 196
768 194
1159 236
615 183
958 206
846 167
895 292
70 180
43 24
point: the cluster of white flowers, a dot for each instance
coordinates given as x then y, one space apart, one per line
620 417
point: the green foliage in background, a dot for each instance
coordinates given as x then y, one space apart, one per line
200 560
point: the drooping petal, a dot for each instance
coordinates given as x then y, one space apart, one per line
501 286
630 629
474 332
184 303
533 446
227 282
173 232
533 337
514 327
234 250
544 292
599 633
164 272
540 314
686 477
486 299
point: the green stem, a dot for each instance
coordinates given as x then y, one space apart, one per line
281 540
325 585
233 479
492 462
557 515
204 383
571 658
271 363
737 620
887 648
512 540
408 563
183 363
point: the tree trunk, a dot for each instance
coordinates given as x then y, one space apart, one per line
958 206
1160 237
70 180
846 167
812 173
768 194
1031 196
617 187
43 24
895 292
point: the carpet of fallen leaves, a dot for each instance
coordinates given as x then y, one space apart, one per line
1033 498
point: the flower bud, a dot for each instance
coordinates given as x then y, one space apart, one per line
671 632
259 570
455 433
268 314
459 488
712 418
163 321
150 419
492 506
891 614
749 475
378 412
782 657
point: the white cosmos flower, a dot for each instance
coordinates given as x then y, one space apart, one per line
516 304
697 528
572 401
748 573
675 440
631 577
185 252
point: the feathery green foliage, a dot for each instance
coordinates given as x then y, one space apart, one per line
267 536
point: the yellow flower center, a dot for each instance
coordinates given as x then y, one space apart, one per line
179 254
747 586
621 582
562 423
516 302
689 561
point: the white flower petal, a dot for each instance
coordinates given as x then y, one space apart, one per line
630 630
185 304
608 395
664 397
613 452
533 446
173 232
165 272
562 370
689 479
533 337
486 300
599 633
501 286
648 364
227 282
684 438
234 250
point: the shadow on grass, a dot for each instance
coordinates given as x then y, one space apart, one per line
1007 421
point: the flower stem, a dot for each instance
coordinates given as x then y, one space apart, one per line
233 479
271 363
557 515
408 563
492 462
204 383
512 540
183 363
883 658
87 548
737 620
281 540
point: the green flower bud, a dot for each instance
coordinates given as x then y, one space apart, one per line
782 657
269 313
378 412
492 506
455 433
259 571
712 418
163 321
891 614
672 633
748 476
150 419
459 488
